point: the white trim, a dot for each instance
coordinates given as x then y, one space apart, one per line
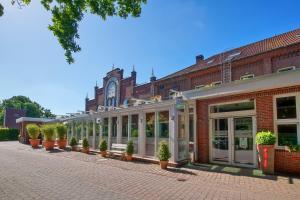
216 83
31 119
295 121
270 81
285 69
199 86
247 76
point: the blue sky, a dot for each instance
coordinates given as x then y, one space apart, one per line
167 37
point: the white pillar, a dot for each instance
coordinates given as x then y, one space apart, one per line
173 120
142 134
94 134
109 133
119 129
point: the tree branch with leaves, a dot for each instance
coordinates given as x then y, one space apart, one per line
66 15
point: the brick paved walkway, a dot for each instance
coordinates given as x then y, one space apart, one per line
36 174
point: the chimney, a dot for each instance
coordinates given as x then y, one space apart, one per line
199 59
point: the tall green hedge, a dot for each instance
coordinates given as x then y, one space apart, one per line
8 134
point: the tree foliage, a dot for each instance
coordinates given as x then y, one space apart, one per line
33 109
66 15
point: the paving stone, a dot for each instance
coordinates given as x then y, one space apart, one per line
26 173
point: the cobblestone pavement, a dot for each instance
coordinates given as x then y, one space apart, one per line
36 174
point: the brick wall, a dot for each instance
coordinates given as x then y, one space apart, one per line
264 114
287 162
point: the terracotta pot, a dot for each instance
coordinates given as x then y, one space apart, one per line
129 157
266 154
74 148
34 143
85 150
61 143
163 164
49 144
103 154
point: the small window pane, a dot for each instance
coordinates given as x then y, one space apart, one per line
233 107
287 134
286 108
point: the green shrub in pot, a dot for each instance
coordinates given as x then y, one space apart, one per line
265 138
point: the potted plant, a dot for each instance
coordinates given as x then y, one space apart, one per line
73 144
85 146
33 132
265 141
48 131
163 154
103 147
129 150
61 132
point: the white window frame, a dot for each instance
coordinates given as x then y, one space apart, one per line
216 83
285 69
199 86
287 121
247 76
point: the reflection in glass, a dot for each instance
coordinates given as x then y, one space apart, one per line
243 140
220 140
150 133
286 108
287 134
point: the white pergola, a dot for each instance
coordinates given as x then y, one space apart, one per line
178 128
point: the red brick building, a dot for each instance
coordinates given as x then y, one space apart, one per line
10 116
233 95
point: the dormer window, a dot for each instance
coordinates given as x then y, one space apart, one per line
285 69
231 56
199 86
216 83
247 76
210 61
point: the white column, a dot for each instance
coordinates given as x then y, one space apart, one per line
119 129
156 132
109 133
142 134
173 120
94 134
129 127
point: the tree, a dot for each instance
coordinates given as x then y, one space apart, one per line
66 14
33 109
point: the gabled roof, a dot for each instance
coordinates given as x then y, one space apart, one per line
269 44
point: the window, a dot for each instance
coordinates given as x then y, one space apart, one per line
199 86
247 76
232 107
287 121
285 69
286 107
125 126
216 83
210 61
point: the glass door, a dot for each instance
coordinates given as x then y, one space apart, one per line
243 141
220 140
232 140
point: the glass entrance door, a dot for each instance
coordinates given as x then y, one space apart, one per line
220 140
243 141
232 140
